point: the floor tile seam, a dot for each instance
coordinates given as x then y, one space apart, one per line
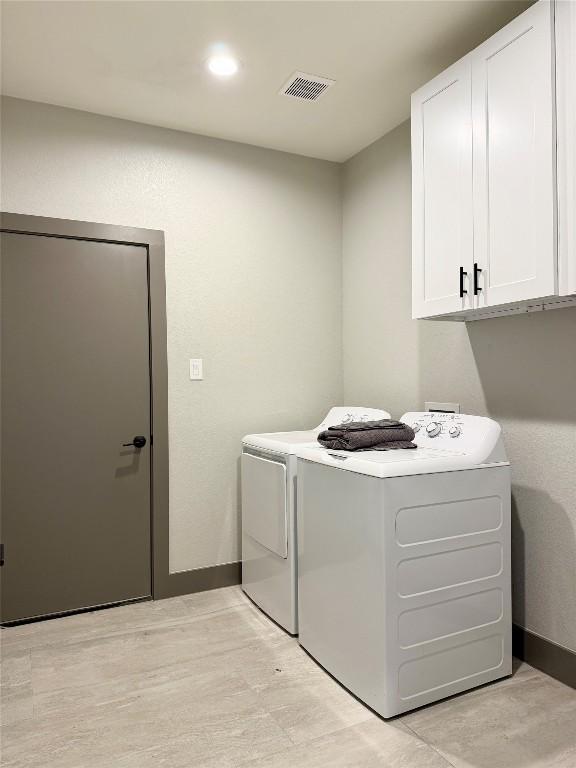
427 743
299 743
294 745
126 634
112 679
185 733
169 624
91 706
182 734
479 692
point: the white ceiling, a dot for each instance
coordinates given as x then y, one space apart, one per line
144 61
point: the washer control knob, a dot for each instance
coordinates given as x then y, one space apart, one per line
416 427
433 429
454 431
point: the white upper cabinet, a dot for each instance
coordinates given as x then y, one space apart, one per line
442 231
484 171
566 110
514 161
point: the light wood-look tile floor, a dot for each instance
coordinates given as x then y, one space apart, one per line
207 681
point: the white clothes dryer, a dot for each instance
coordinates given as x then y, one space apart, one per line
404 563
269 575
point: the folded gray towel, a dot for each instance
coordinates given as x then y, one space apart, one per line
382 435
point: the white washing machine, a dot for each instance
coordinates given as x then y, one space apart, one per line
269 513
404 563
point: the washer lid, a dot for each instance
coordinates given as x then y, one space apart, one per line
392 463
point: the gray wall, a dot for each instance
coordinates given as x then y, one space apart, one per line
253 267
521 370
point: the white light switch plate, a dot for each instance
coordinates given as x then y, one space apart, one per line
196 369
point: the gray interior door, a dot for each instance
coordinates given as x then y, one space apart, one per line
75 387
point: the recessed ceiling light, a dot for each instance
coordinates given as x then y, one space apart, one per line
223 66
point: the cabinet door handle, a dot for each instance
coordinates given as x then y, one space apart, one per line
463 274
477 271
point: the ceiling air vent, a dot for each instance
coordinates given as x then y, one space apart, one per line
306 87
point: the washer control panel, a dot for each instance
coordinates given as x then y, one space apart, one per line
438 425
458 433
433 429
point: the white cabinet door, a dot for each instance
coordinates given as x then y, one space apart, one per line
442 234
566 126
514 160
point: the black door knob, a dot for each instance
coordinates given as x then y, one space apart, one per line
138 442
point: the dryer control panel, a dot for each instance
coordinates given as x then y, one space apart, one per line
342 414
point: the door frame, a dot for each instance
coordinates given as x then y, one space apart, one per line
153 241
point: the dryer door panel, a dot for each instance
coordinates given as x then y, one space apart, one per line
264 508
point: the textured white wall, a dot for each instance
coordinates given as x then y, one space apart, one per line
253 268
254 287
521 370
